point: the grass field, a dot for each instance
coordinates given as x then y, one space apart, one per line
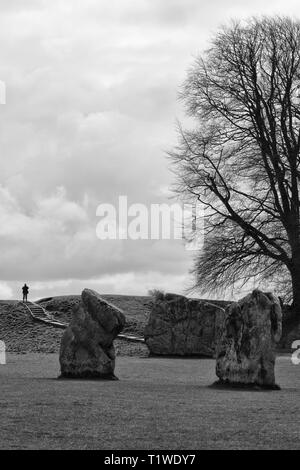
156 404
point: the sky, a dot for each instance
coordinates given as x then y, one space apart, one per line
91 107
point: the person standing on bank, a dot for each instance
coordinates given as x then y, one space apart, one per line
25 290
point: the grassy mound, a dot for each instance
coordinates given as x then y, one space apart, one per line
136 309
22 335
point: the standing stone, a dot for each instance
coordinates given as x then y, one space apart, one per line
246 348
182 327
87 349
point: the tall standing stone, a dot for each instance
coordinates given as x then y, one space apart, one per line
87 349
246 348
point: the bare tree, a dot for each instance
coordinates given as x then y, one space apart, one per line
241 158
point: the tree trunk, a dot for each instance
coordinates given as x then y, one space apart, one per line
295 274
296 290
291 316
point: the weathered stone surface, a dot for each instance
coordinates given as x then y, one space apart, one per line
245 350
182 326
87 349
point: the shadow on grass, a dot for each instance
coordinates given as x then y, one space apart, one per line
177 356
239 386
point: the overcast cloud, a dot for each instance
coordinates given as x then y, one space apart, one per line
91 107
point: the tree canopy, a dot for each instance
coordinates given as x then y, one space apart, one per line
241 158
